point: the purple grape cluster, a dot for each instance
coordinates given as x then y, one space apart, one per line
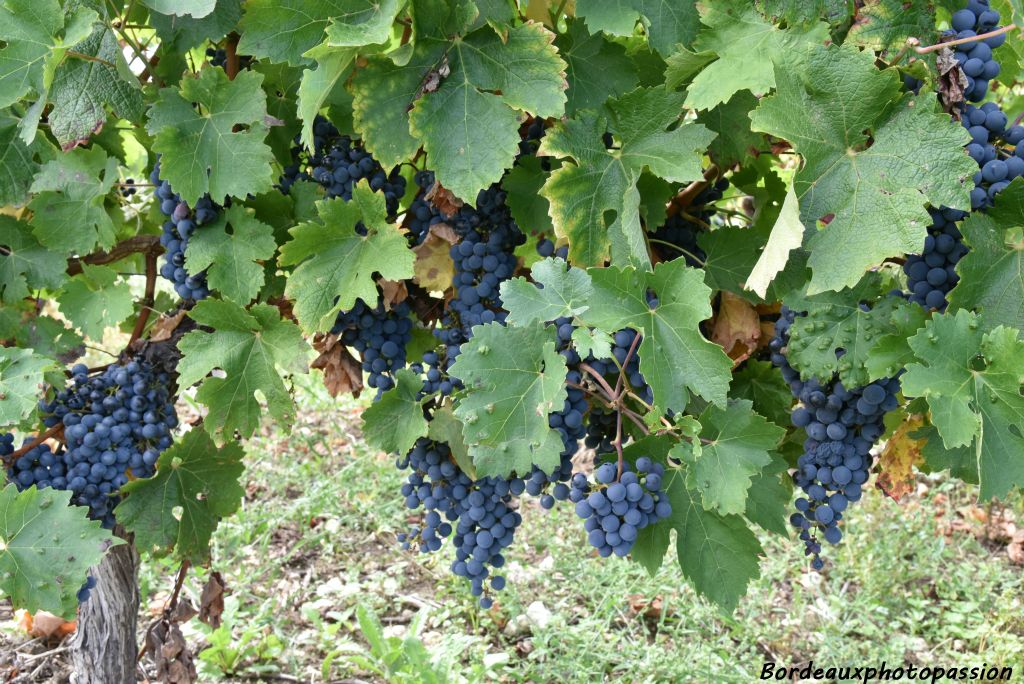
178 229
841 425
975 58
677 237
615 509
380 336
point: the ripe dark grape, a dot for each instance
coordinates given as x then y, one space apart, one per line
380 336
86 589
178 229
932 274
128 187
841 426
677 237
338 162
115 424
219 58
615 509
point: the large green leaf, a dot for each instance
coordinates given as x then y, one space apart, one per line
46 549
972 382
67 210
22 374
675 358
560 290
196 484
84 88
514 378
334 264
887 24
252 348
202 151
596 68
195 8
598 181
762 384
395 421
17 165
364 22
668 23
876 195
36 35
736 445
282 30
96 299
233 261
718 554
992 273
748 49
26 264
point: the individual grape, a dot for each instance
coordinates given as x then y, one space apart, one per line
219 58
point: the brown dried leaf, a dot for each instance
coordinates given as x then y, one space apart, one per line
901 454
951 80
343 374
392 292
168 650
1015 549
736 327
648 608
443 200
45 625
434 268
211 603
165 326
184 610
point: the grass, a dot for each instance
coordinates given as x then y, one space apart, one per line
311 560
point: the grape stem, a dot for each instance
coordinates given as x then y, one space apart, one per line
686 195
231 48
139 244
147 299
42 437
960 41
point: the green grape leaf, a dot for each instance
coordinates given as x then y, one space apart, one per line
596 68
971 380
522 185
196 8
202 151
748 47
195 486
886 24
333 65
514 378
736 445
768 499
17 165
26 264
233 261
596 343
382 93
683 65
32 50
836 320
184 32
598 181
796 12
718 554
67 210
46 549
364 22
84 88
22 374
445 427
787 234
282 30
667 22
472 135
395 421
876 194
96 299
992 273
961 462
762 384
675 358
563 291
334 265
731 122
249 347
